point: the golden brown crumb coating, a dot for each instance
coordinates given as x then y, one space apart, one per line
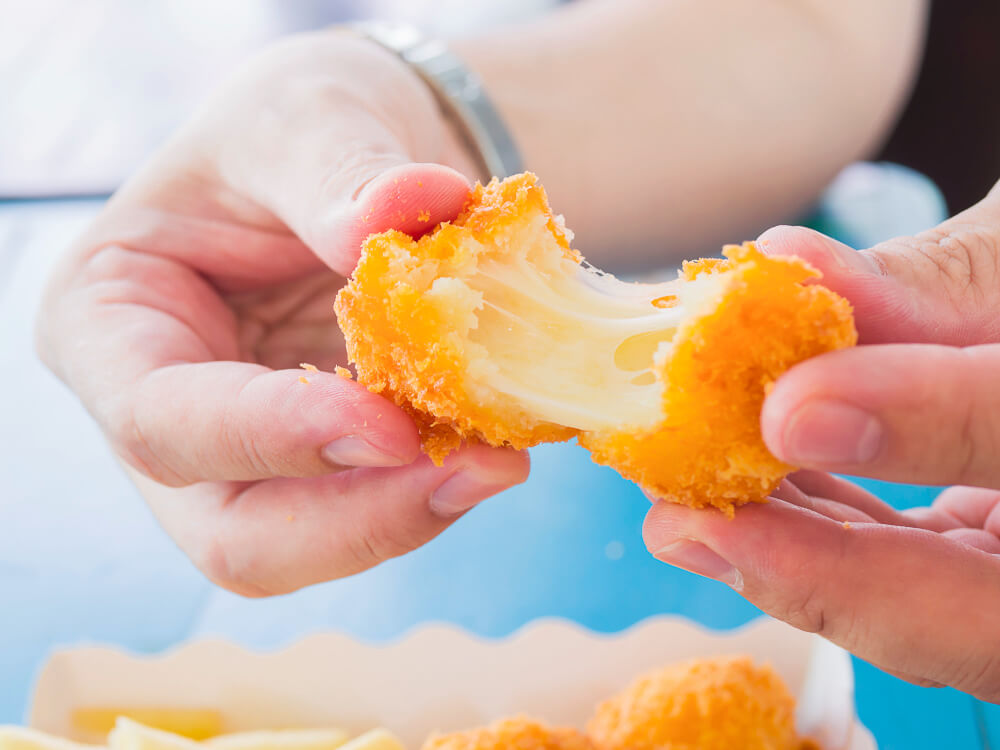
708 450
703 704
413 319
518 733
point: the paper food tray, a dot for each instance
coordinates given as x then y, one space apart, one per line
439 677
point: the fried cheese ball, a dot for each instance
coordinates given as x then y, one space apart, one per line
491 328
702 704
517 733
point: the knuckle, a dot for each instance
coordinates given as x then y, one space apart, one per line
977 437
131 445
805 610
228 565
963 256
383 538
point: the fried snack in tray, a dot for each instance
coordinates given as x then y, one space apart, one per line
128 734
283 739
95 722
520 733
492 328
703 704
25 738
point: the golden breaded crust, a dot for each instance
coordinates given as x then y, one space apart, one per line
406 315
704 704
709 450
392 317
518 733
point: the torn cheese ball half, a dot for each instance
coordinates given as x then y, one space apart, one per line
492 328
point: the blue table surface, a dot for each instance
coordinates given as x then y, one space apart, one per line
567 543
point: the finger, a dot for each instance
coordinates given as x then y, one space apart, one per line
932 519
907 599
970 506
231 421
977 538
832 509
175 413
277 536
910 413
940 286
336 158
822 484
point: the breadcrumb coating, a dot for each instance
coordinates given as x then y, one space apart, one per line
518 733
703 704
492 329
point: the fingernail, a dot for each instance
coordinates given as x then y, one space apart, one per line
831 433
462 491
356 451
697 558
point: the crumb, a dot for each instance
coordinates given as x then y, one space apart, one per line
667 300
303 380
847 524
365 218
309 367
289 517
343 372
378 416
420 183
424 216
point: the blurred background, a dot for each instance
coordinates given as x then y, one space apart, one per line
88 88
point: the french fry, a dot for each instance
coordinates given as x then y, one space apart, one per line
283 739
23 738
131 735
193 723
376 739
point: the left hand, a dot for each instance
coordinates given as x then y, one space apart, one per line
916 592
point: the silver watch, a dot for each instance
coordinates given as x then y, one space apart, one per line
458 90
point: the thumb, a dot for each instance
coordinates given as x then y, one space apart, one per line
905 412
352 143
940 286
910 601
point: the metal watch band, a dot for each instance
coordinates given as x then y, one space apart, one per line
458 90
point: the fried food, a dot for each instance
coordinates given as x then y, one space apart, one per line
95 722
282 739
376 739
128 734
519 732
703 704
492 328
24 738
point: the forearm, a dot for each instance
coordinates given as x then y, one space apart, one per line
664 129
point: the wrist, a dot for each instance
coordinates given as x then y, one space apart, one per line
473 123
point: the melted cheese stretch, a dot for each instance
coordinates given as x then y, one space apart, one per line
569 344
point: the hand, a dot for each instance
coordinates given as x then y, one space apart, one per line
182 315
916 593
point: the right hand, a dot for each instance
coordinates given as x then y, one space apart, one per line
182 314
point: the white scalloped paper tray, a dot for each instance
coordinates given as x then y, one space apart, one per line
439 677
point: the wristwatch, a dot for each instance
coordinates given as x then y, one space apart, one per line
458 90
